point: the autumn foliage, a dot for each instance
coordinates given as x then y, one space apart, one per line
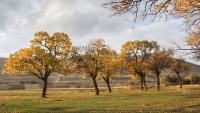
47 54
95 60
135 55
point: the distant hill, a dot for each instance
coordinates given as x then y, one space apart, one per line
2 62
193 67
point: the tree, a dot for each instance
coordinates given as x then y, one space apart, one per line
110 68
88 59
141 9
159 60
194 44
179 66
135 55
47 54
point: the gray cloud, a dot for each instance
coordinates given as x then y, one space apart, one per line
82 20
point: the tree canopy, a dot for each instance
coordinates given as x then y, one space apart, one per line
135 54
141 9
89 59
189 10
159 60
110 68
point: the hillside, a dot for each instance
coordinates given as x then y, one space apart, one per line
60 81
2 62
193 67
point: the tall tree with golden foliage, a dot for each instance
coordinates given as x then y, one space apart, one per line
135 54
46 54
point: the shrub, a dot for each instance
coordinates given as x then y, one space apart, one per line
186 81
194 78
169 79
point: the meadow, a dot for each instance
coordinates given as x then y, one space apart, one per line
121 100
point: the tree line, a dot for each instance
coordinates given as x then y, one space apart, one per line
96 60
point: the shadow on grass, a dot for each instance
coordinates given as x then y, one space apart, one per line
186 109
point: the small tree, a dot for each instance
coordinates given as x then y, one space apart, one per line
135 55
88 59
47 54
110 68
179 66
159 60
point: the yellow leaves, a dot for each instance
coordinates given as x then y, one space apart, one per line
95 58
133 48
177 7
159 60
194 41
179 65
45 55
158 6
110 67
134 76
57 44
130 47
142 9
134 54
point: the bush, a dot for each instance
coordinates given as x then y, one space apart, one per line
169 79
194 78
186 81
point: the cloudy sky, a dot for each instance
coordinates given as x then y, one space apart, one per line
82 20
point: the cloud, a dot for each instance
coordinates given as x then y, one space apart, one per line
81 20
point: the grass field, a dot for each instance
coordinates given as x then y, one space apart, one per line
169 99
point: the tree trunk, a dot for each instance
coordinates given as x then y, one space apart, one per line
95 86
145 85
44 88
141 80
108 84
180 81
158 82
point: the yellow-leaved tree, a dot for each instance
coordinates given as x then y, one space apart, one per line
134 55
141 9
88 60
189 10
158 61
179 66
110 68
46 54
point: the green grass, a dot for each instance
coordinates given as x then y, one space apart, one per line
169 99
